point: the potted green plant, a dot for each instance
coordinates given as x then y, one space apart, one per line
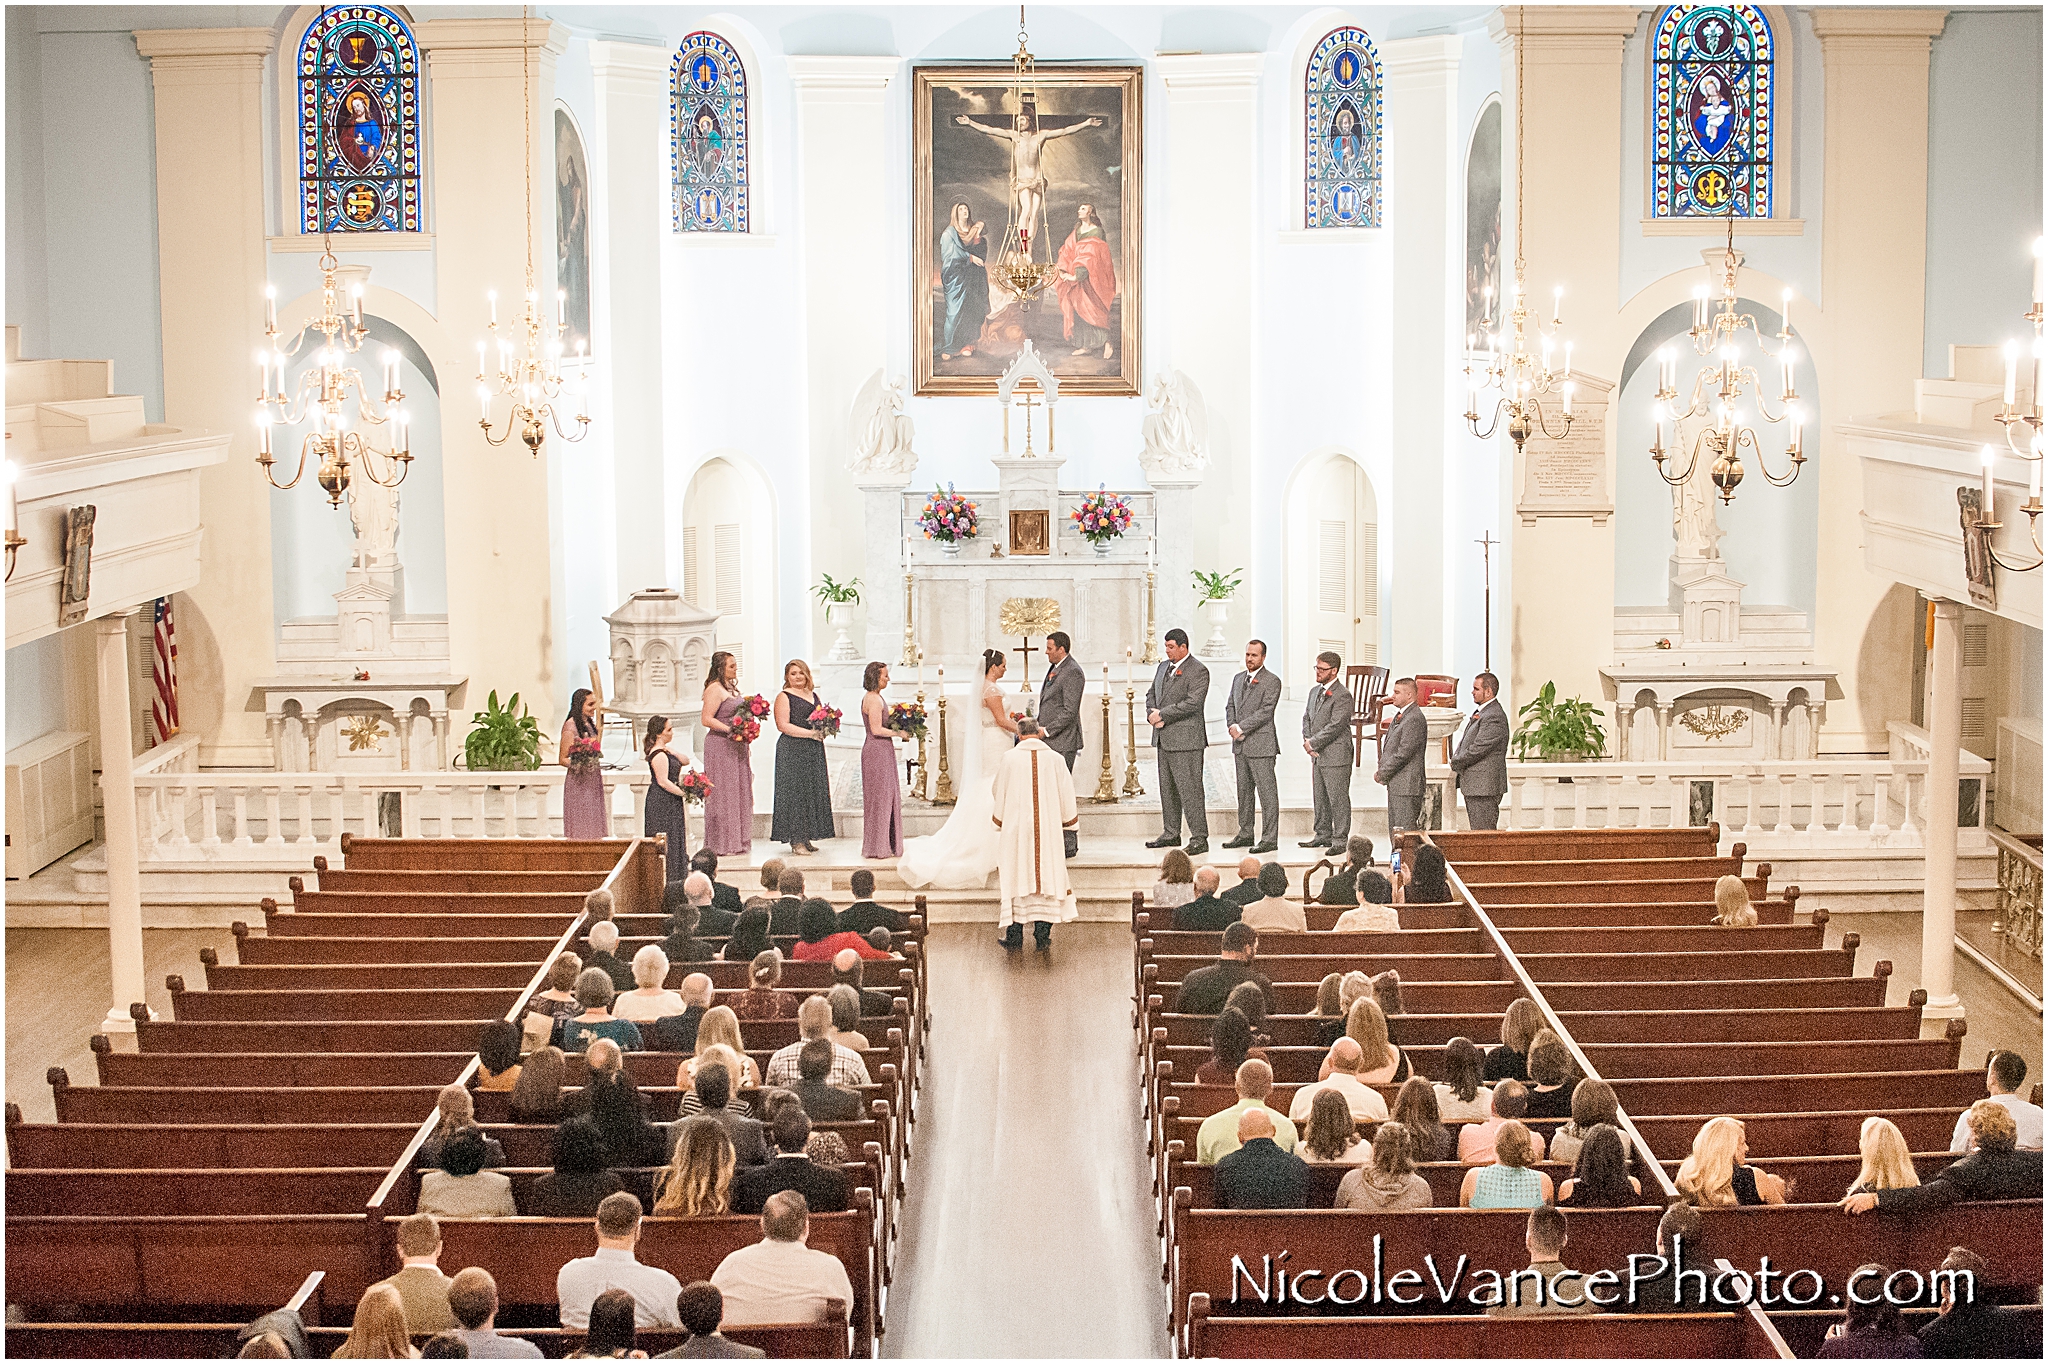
1213 592
506 738
1560 730
839 600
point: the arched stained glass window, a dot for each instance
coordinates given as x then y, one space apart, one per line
708 136
1711 92
1341 174
359 123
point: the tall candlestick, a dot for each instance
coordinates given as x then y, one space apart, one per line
270 305
561 307
492 295
1150 540
1127 665
920 668
1556 305
356 304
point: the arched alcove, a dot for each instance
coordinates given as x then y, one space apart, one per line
1332 568
728 564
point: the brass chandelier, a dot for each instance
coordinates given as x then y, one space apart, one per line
1016 265
2029 447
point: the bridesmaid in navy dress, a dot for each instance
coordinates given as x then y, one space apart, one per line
881 796
803 782
667 811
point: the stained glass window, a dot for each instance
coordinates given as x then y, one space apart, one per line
1342 171
708 136
359 123
1711 90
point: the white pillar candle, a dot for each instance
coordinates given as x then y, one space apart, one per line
1127 659
1990 454
492 295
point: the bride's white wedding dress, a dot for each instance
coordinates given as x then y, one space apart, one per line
962 854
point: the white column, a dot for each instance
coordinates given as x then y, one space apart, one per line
1945 735
117 787
882 565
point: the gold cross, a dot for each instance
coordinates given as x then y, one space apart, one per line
1028 403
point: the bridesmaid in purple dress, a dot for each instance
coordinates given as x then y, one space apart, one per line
729 804
881 797
584 807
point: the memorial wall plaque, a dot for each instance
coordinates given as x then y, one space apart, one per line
1568 477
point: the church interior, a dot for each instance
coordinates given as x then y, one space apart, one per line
662 508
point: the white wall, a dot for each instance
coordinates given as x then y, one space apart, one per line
35 689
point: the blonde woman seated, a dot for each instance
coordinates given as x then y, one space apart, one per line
1176 884
1384 1063
1714 1174
1887 1160
697 1182
1732 908
1389 1183
379 1331
1511 1181
1476 1140
652 998
1331 1136
1351 985
719 1027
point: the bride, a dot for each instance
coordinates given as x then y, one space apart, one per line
963 853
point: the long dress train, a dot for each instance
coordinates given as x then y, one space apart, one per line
963 853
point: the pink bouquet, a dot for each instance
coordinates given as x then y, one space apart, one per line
694 784
746 724
585 753
1102 516
825 719
906 717
948 517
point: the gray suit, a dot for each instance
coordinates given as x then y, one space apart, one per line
1179 691
1481 762
1402 754
1326 726
1250 708
1059 717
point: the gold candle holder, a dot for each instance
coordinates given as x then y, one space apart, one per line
1132 786
944 794
917 788
1151 654
1105 790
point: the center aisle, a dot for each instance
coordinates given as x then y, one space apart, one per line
1027 1229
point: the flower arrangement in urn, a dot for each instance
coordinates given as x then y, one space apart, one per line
1103 518
694 784
906 717
746 722
825 719
949 519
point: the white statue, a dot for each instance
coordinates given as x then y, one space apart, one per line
881 430
373 511
1693 524
1176 431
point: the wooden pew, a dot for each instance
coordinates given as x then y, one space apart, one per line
184 1070
230 1192
458 882
1668 938
595 855
248 1264
1549 892
1305 1030
291 1006
308 1036
1742 1025
223 1146
1679 912
1577 967
806 977
1280 964
217 1340
216 1104
1817 992
1172 942
1409 942
1509 871
1576 845
254 950
1644 1060
1699 1335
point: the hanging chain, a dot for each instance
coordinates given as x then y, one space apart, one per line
526 101
1521 225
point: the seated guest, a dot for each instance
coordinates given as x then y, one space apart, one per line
1330 1137
1714 1173
473 1299
846 970
1258 1174
1970 1325
1995 1170
1343 1075
1593 1103
710 1095
2005 1072
462 1187
1207 988
749 936
1351 987
559 999
721 1028
379 1330
421 1285
579 1282
685 923
678 1031
785 916
1550 1073
824 1190
827 1148
497 1055
1385 1063
1217 1136
819 937
1342 886
612 1328
1415 1109
1870 1329
1424 879
771 886
778 1278
1375 912
864 915
457 1109
1275 913
601 1058
1460 1095
1247 888
1208 912
579 1180
1536 1291
630 1141
651 999
697 1181
1601 1178
1386 992
1732 908
598 908
1511 1181
1176 884
538 1095
595 993
725 900
762 999
702 1309
1476 1139
820 1099
1230 1046
1518 1028
1682 1249
1246 999
1388 1182
814 1021
604 955
1887 1160
1329 992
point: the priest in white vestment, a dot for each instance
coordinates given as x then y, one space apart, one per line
1034 803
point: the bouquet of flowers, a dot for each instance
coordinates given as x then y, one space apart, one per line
1102 516
906 717
825 719
694 784
584 752
746 724
948 517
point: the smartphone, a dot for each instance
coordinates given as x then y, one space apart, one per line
1396 863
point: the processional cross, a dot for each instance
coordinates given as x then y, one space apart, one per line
1486 542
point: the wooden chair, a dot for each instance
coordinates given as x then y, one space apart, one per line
1368 687
1435 689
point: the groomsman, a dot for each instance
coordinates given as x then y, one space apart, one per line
1059 710
1255 742
1481 762
1326 735
1402 753
1173 707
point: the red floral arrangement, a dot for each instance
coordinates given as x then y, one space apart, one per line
1102 516
584 752
906 717
746 724
694 784
825 719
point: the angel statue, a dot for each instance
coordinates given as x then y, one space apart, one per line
881 430
373 513
1176 431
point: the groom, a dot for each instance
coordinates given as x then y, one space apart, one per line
1059 710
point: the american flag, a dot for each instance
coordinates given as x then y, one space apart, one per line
163 671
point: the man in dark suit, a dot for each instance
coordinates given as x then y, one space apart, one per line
783 914
1208 912
1258 1174
1059 710
1247 889
1174 707
825 1190
713 1088
822 1100
1681 1249
1207 987
1402 753
1255 743
604 955
864 916
1971 1326
678 1032
846 970
700 1309
1994 1171
1481 761
717 919
1326 737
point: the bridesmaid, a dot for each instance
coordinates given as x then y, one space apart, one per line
803 783
881 797
585 809
729 805
667 811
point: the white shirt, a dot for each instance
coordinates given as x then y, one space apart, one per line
778 1281
1369 919
646 1008
2025 1116
1365 1101
578 1283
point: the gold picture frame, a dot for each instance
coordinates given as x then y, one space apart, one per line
1031 532
1093 154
